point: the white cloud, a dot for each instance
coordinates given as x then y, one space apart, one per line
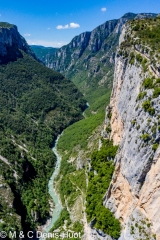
48 28
103 9
74 25
67 26
46 43
62 27
27 34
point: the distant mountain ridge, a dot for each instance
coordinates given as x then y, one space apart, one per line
88 60
43 53
92 42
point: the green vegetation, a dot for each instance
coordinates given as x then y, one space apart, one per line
132 58
74 233
72 182
146 137
71 139
43 53
141 95
141 229
93 77
139 58
156 92
108 129
98 184
133 122
153 129
143 33
64 216
147 107
36 104
157 80
132 230
148 83
89 80
142 44
7 213
155 146
71 142
147 31
5 25
74 133
90 70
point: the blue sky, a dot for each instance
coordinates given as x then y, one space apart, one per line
55 23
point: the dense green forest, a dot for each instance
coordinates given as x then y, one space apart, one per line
36 104
100 175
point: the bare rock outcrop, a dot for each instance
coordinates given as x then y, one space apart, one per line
11 43
134 193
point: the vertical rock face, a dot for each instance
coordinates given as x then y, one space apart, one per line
63 58
99 34
134 192
87 41
11 42
88 60
83 48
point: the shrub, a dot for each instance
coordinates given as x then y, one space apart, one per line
136 27
154 129
132 58
133 122
156 92
120 52
151 111
139 58
132 229
108 129
131 61
144 64
146 137
109 115
138 127
155 146
157 80
148 83
154 236
141 95
147 107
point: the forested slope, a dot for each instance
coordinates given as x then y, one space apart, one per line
76 148
36 104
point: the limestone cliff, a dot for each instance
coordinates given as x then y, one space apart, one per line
134 193
88 60
91 50
11 43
